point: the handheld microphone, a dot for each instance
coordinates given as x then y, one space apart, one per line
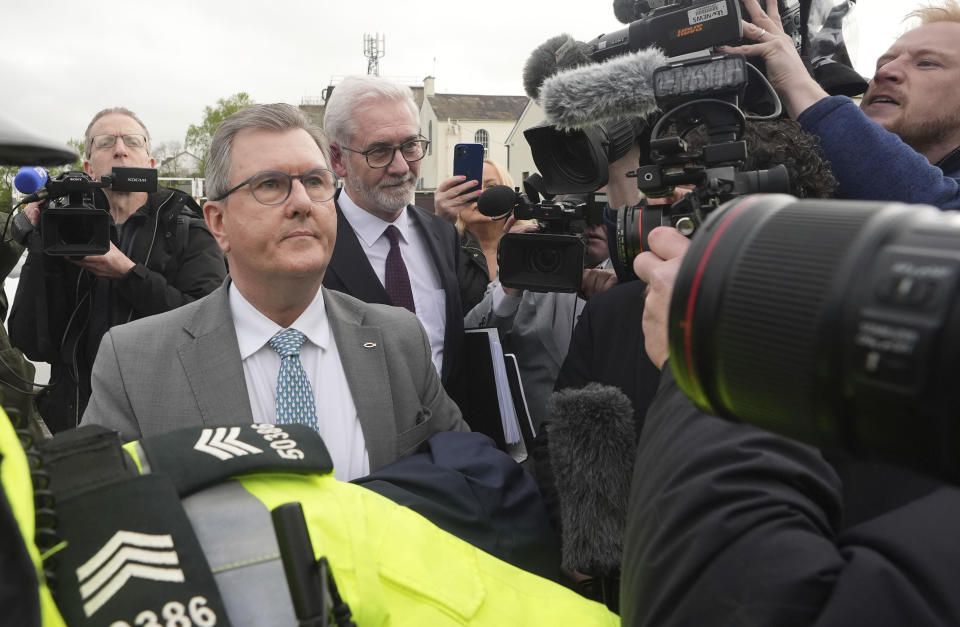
498 200
592 443
30 180
617 89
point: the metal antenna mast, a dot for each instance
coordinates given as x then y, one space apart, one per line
374 47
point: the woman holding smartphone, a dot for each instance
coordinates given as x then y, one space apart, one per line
456 200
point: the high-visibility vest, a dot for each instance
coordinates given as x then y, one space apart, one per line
391 565
17 525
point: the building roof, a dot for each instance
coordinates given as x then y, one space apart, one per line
477 107
452 106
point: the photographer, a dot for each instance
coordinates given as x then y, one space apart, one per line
903 143
161 256
729 524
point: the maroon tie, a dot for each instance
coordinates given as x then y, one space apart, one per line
396 277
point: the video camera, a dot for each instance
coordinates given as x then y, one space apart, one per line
576 160
705 92
70 222
552 259
836 323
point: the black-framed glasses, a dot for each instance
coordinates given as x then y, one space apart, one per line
272 188
382 156
107 141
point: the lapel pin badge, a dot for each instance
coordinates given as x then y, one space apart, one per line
369 344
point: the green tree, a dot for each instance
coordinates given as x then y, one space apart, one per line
200 135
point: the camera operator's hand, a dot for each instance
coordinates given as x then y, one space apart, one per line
596 280
32 211
447 201
510 226
113 264
785 70
658 269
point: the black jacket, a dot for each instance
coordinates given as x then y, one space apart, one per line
607 347
731 525
60 312
471 272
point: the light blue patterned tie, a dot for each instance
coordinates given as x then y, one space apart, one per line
295 403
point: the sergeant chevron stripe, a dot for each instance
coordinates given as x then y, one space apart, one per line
104 574
223 444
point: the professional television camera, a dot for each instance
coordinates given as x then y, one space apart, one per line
70 222
704 92
550 260
833 322
595 116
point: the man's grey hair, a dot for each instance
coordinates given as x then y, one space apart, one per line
270 117
88 138
354 94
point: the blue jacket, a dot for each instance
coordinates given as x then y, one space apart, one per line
872 163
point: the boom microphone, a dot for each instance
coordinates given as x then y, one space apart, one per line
497 200
592 443
553 55
617 89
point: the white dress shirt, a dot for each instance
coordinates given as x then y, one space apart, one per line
336 413
428 296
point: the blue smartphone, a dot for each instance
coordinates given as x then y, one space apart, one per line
468 162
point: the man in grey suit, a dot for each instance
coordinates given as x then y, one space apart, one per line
220 360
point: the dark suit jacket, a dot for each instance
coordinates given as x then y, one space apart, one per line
350 272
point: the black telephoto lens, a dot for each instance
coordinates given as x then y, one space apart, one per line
832 322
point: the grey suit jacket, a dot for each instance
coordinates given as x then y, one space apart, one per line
183 368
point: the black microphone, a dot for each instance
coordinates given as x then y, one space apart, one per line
497 200
620 88
553 55
592 443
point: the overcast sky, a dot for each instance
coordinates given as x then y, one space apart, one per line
61 61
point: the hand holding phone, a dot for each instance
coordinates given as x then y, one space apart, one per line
468 162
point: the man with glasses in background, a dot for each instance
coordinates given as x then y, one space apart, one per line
271 345
388 250
161 256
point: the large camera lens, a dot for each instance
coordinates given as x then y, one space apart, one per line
541 262
75 231
831 322
545 260
577 162
633 226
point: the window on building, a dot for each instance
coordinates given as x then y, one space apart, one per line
430 136
483 137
